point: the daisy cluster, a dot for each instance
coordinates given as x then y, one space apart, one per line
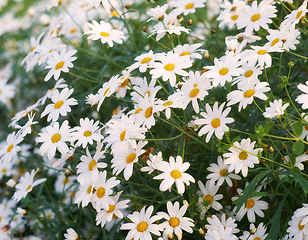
169 119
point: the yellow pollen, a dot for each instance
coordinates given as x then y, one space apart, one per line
174 222
122 135
189 6
170 103
223 172
176 174
4 171
138 110
276 40
215 123
0 91
306 127
89 190
114 13
147 93
257 238
194 92
58 104
131 157
299 14
209 198
169 67
87 133
59 65
255 17
10 148
104 34
234 17
100 192
248 73
111 208
106 91
56 138
300 226
262 52
249 93
148 112
92 164
73 30
65 181
243 156
146 60
250 203
28 188
115 217
223 71
185 53
142 226
32 49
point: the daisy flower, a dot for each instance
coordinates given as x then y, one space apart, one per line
303 98
275 109
191 50
251 71
176 220
113 212
174 101
260 232
224 69
230 15
170 65
247 90
194 88
185 7
26 184
143 62
260 55
59 62
7 92
142 225
10 149
227 222
27 128
220 173
242 156
86 133
174 172
144 88
158 13
105 32
152 163
214 120
71 234
221 233
296 228
60 106
208 197
296 15
85 190
54 138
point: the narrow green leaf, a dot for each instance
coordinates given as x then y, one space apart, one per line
296 174
298 147
298 128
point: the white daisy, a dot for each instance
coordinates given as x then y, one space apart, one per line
303 98
226 222
10 149
259 232
276 109
152 163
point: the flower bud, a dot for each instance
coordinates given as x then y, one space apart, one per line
11 183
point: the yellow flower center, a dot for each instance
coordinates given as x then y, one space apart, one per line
248 73
122 135
194 92
189 6
58 104
10 148
306 127
255 17
111 208
223 71
73 30
138 110
114 13
142 226
92 164
299 14
4 171
28 188
89 190
87 133
243 156
276 40
176 174
174 222
250 203
262 52
32 49
223 172
170 103
146 60
215 123
300 226
185 53
104 34
148 112
234 17
169 67
65 181
130 158
209 198
100 192
106 91
249 93
56 138
257 238
59 65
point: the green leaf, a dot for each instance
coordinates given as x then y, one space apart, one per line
297 175
298 128
249 190
275 222
298 147
285 81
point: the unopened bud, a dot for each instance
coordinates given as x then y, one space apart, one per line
67 172
253 231
201 231
145 29
189 22
11 183
271 150
186 203
170 236
22 211
206 54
